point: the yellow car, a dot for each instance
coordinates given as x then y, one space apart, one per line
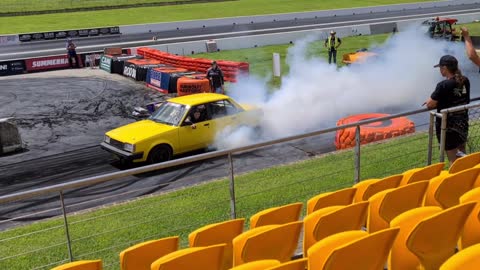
172 129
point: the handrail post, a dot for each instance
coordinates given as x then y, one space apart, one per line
357 155
443 136
430 139
233 212
67 232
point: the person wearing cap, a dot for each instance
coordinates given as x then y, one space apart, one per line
72 53
471 53
215 76
332 43
453 91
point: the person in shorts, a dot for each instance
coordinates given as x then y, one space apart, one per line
453 91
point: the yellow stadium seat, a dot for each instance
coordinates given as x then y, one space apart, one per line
420 174
257 265
331 220
141 256
275 242
340 197
471 229
210 257
218 233
434 239
367 252
401 258
81 265
318 253
277 215
467 259
445 190
386 205
368 188
300 264
466 162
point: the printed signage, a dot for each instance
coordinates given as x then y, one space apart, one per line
47 63
69 33
12 67
130 71
106 63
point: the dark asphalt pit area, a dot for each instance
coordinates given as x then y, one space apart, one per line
62 111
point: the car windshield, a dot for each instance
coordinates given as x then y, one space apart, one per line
168 113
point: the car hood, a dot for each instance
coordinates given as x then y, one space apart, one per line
249 107
137 131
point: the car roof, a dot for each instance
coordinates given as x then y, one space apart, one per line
197 99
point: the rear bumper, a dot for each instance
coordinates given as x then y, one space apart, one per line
121 153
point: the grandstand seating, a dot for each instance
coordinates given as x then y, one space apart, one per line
467 259
424 173
210 257
277 242
386 205
466 162
340 197
415 220
218 233
81 265
433 240
471 229
331 220
277 215
257 265
142 255
352 250
370 187
299 264
445 190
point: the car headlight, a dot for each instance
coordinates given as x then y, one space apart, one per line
107 139
129 147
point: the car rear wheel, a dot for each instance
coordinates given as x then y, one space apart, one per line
160 153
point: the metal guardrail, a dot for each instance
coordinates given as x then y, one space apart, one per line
71 241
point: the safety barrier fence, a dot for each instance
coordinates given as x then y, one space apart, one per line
73 223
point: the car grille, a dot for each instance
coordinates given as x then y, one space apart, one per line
116 143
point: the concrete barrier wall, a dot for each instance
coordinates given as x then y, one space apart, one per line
186 48
9 40
159 27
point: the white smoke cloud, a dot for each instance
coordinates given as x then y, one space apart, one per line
314 95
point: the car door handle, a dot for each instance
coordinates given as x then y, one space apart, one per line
206 125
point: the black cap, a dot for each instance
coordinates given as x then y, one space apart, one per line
447 60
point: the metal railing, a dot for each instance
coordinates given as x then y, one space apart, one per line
366 164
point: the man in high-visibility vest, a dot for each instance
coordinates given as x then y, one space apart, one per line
332 43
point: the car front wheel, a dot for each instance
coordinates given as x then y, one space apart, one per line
160 153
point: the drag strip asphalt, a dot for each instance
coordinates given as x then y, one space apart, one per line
34 49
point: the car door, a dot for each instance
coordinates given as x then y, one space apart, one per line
196 138
224 114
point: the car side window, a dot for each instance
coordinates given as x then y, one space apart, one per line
203 116
222 108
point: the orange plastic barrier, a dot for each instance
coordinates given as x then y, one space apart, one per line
377 131
188 86
231 69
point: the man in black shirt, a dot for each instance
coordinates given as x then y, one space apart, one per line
332 43
215 76
451 92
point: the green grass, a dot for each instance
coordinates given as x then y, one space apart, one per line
105 232
78 20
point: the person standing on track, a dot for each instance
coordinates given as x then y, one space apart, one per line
215 76
72 53
332 43
453 91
